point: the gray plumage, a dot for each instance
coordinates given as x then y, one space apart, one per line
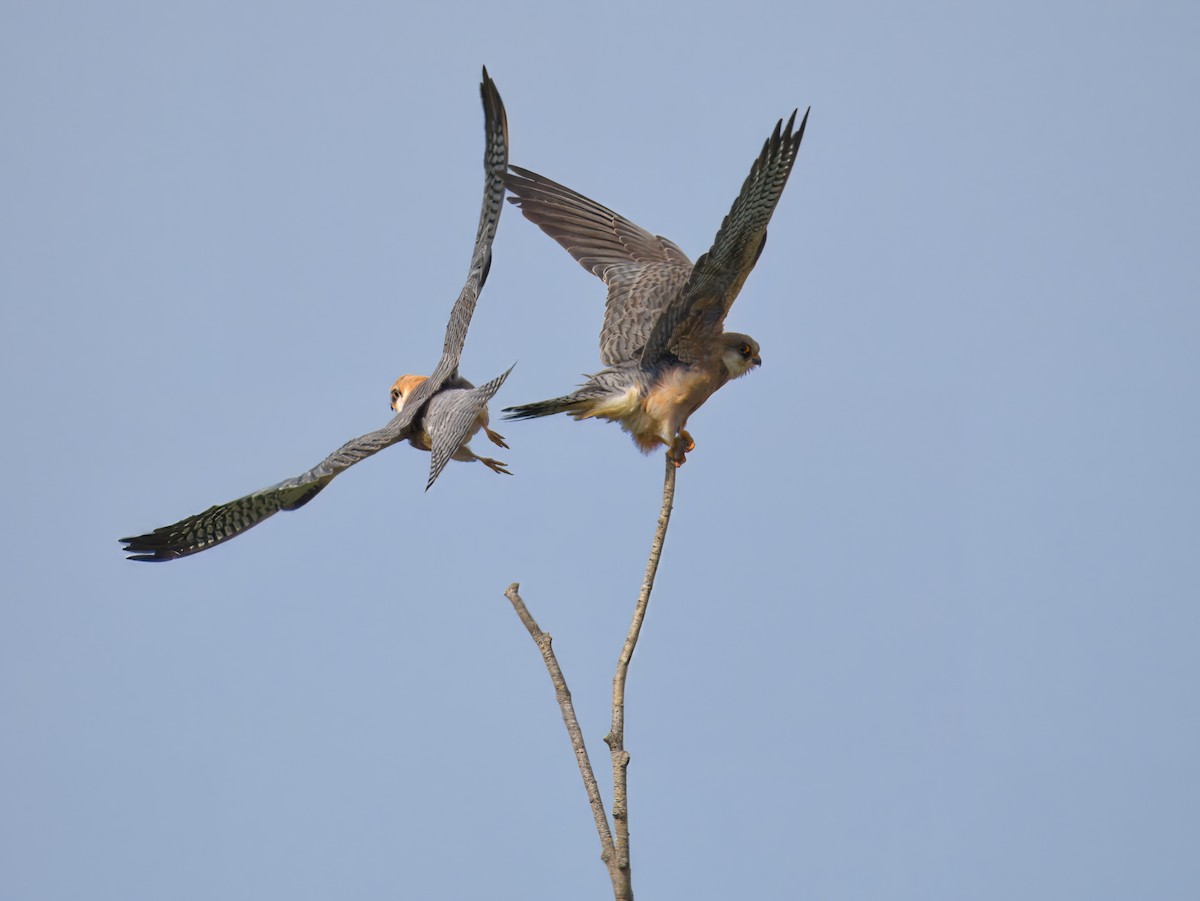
451 415
697 313
603 384
642 271
663 339
225 521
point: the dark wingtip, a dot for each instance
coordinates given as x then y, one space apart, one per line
493 105
800 131
142 548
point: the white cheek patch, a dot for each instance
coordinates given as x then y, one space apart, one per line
735 364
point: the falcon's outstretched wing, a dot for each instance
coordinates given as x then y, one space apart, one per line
225 521
449 419
700 310
643 271
495 164
220 523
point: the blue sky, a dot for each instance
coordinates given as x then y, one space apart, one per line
926 622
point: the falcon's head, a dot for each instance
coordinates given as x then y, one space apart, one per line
405 385
740 353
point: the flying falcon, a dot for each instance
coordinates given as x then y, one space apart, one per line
441 408
438 413
663 339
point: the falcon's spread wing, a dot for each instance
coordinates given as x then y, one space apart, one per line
699 311
495 164
225 521
643 271
220 523
449 419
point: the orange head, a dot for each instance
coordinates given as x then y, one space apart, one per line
405 385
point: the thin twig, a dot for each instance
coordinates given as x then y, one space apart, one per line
616 736
620 878
615 854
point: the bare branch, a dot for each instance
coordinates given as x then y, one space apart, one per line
616 736
622 890
615 854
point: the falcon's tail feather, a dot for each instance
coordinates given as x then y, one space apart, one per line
569 403
450 417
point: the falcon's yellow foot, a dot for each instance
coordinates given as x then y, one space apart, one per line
496 438
676 454
494 465
688 444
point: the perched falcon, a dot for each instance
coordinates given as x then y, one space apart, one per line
663 338
438 413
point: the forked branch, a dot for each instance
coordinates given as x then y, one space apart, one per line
614 853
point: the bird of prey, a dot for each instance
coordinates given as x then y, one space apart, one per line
438 413
440 409
663 339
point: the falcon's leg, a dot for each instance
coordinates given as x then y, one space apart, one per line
688 444
466 455
495 437
677 453
494 465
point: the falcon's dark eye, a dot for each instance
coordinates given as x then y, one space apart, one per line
395 395
745 351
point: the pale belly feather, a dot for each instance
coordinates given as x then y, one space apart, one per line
654 417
